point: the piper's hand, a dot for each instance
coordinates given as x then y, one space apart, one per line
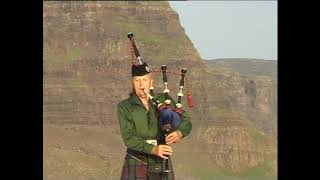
162 150
174 137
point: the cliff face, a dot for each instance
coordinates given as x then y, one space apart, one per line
253 88
236 146
86 54
246 66
87 73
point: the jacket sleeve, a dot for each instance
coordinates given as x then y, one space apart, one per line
185 125
128 132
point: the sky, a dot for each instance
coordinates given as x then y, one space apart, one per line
230 29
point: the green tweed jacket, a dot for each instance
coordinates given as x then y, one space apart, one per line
138 125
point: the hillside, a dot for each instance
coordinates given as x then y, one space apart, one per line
248 67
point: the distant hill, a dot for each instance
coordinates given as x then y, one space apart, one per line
247 67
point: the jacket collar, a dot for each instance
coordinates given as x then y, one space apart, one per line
134 99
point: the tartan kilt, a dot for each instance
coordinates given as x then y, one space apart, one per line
132 169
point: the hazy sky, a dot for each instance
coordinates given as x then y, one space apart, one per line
230 29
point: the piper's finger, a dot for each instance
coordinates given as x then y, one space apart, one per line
167 150
166 147
170 142
162 156
173 138
170 138
167 153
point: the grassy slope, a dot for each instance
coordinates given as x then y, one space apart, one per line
75 152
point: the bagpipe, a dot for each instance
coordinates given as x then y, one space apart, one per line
169 116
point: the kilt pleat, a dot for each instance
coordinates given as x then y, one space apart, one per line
134 170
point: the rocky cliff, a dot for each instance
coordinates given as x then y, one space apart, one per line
87 72
86 54
247 66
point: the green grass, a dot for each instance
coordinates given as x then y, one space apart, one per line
261 172
258 136
204 172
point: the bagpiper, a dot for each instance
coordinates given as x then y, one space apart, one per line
149 122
